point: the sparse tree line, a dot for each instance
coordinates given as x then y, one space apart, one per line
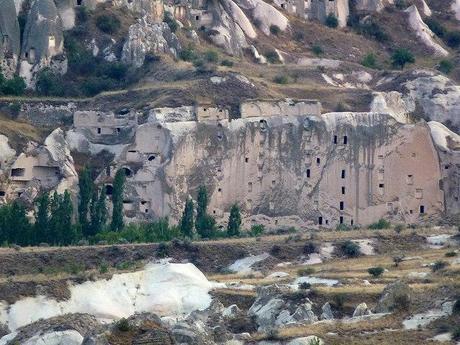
57 223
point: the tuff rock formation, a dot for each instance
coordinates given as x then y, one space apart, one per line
9 38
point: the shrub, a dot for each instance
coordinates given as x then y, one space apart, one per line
317 50
310 248
456 307
187 54
81 14
49 83
339 301
350 249
401 57
369 61
342 227
108 23
115 70
332 21
400 4
450 254
211 56
453 39
103 268
373 30
445 66
14 87
272 57
397 260
275 30
306 271
304 286
257 230
456 333
399 228
381 224
281 79
227 63
275 250
162 250
435 26
375 271
123 325
439 265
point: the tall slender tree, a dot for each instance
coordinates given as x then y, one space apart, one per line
41 219
234 221
67 230
186 224
85 183
205 225
117 200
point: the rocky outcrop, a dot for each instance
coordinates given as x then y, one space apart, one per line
423 32
361 310
265 14
9 38
272 309
395 296
66 11
146 38
372 5
43 41
327 313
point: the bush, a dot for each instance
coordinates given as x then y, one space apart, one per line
275 250
272 57
453 39
108 23
257 230
400 4
123 325
401 57
275 30
369 61
162 250
339 301
281 79
375 271
103 268
445 66
187 54
342 227
435 26
332 21
304 286
317 50
456 333
450 254
13 87
299 36
397 260
399 228
211 56
350 249
373 30
227 63
456 307
306 271
439 265
310 248
381 224
49 83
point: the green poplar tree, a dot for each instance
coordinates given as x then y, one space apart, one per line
117 200
41 219
186 224
234 221
85 183
205 225
67 230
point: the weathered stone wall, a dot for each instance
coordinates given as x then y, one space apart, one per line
351 168
268 108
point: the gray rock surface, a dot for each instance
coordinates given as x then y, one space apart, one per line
361 310
327 313
395 295
9 38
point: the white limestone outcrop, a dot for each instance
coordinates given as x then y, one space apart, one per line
423 32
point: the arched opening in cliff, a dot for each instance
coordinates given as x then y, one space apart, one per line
128 172
108 189
79 2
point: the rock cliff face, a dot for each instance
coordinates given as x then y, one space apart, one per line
350 168
9 38
43 41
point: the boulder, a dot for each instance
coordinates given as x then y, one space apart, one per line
146 38
327 313
310 340
395 296
231 311
361 310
